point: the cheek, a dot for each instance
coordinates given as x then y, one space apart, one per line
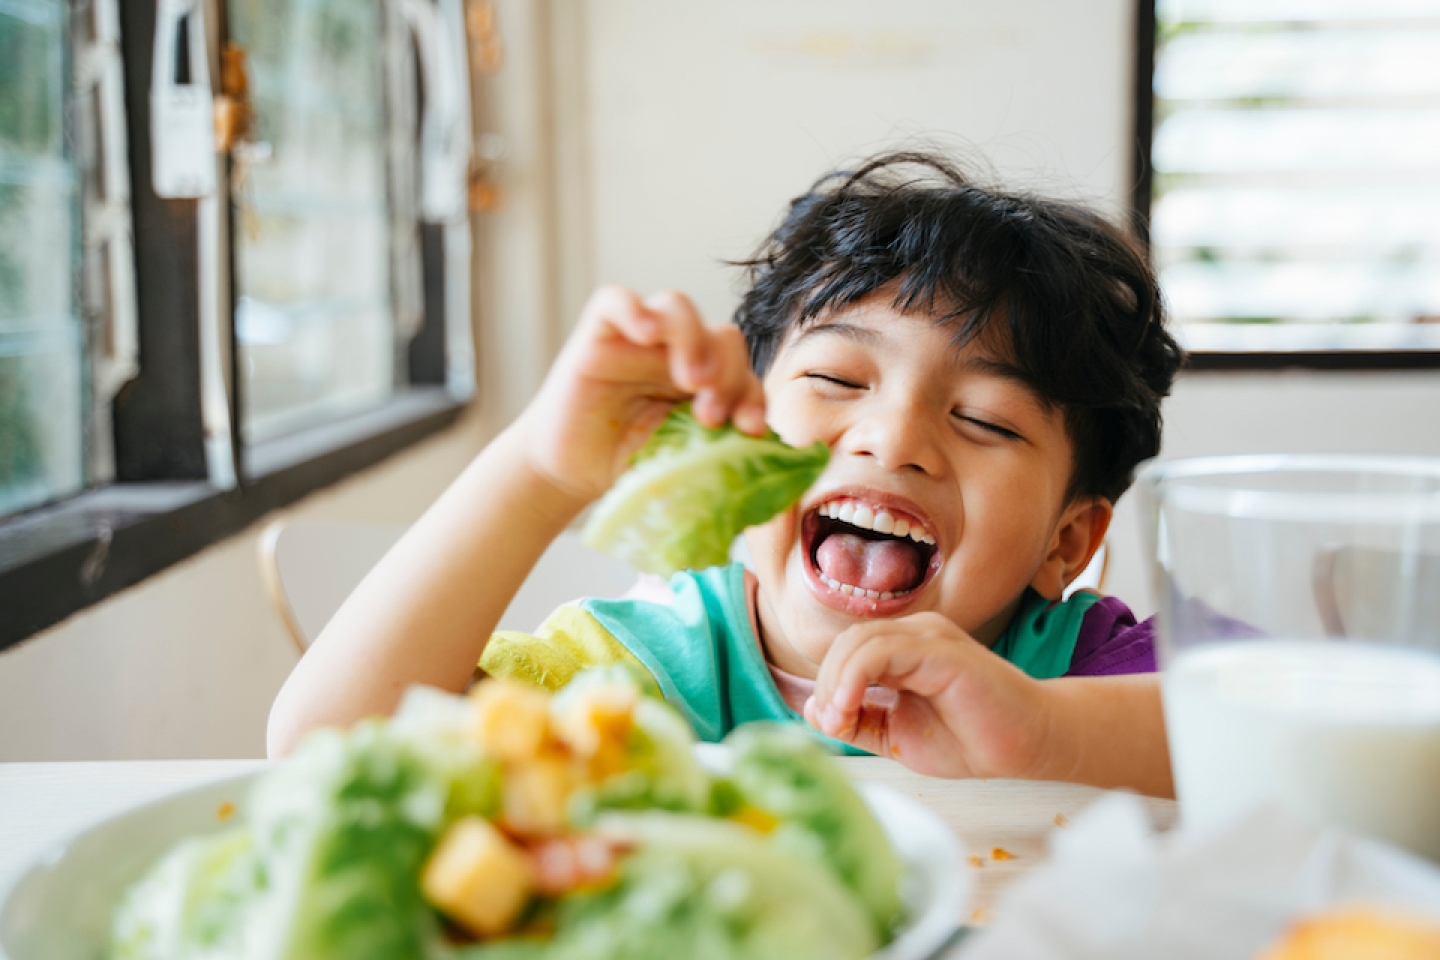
1007 522
794 414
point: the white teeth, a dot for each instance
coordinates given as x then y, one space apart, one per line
881 521
851 591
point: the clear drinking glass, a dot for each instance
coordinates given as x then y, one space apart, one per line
1299 629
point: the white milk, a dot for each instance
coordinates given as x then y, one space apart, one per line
1344 733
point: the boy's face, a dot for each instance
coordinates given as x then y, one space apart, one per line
923 435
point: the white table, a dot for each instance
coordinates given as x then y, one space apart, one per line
41 803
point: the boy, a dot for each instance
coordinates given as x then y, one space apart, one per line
987 371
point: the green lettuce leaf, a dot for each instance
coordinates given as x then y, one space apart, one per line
692 489
344 829
328 867
785 772
195 902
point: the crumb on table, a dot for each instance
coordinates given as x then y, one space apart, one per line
1000 853
976 860
1061 820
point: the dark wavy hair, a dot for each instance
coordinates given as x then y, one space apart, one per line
1070 296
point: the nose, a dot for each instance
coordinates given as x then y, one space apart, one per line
899 433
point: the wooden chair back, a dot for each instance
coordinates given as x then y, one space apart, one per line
310 566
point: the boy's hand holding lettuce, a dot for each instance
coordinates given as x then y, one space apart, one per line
513 824
692 489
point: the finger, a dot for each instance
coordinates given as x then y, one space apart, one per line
693 364
844 647
733 393
912 657
883 658
912 732
622 311
870 728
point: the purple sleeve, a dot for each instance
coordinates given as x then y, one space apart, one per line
1112 643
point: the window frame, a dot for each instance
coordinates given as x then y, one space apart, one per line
161 506
1140 201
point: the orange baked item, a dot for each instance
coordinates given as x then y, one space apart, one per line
1358 934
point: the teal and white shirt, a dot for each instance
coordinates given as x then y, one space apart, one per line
696 637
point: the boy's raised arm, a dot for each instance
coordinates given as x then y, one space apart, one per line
424 613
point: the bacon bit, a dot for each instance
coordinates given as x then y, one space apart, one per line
225 811
1061 820
976 860
980 916
542 928
564 865
1000 853
454 934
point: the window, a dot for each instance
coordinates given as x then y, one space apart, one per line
42 376
194 332
1296 178
316 329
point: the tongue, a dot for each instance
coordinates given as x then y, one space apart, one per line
885 566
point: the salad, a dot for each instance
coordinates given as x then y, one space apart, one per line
510 823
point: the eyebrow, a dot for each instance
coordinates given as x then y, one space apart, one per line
990 366
848 331
995 368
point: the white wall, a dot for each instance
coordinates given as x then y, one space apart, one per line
706 118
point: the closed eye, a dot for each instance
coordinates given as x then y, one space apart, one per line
989 427
836 381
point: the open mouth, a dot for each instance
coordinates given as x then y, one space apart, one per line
868 551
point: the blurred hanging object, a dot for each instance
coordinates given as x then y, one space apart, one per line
185 164
487 50
235 128
234 116
438 28
487 55
182 112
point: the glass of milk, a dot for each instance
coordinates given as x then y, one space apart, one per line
1300 638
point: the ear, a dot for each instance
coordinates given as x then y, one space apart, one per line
1078 535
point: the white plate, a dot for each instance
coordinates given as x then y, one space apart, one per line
59 908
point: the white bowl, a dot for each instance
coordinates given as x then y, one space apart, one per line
59 908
